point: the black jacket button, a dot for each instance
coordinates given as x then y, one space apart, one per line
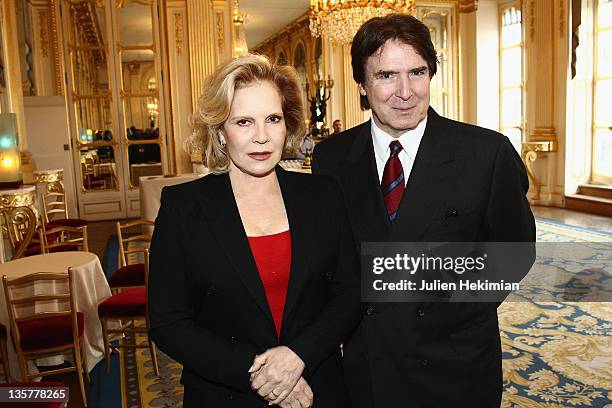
420 312
370 310
425 363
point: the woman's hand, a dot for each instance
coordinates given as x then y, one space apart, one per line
300 397
275 373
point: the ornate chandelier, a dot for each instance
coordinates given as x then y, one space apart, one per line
339 20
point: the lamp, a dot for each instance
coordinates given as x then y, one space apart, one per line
339 20
10 162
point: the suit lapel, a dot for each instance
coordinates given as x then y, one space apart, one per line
359 178
301 233
433 171
223 217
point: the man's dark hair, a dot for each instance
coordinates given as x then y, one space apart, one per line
375 32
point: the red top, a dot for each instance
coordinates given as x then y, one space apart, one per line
272 255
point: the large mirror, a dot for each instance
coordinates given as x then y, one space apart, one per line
140 90
91 95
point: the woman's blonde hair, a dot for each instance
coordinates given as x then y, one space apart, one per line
214 104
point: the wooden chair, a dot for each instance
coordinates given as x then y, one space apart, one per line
38 334
53 200
127 307
130 273
4 353
64 238
20 225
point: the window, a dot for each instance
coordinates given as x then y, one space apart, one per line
511 75
601 165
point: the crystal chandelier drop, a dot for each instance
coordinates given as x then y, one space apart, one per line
339 20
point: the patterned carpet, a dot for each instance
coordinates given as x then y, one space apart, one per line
555 354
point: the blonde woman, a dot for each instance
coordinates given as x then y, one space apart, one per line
254 275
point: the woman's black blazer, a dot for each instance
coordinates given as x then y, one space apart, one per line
207 305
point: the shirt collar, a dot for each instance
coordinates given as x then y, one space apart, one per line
410 140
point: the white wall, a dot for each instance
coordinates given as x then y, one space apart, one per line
47 129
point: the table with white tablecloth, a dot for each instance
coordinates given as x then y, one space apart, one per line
90 289
150 193
151 187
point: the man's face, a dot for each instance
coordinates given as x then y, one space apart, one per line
337 126
397 87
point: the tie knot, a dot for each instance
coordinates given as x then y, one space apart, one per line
395 147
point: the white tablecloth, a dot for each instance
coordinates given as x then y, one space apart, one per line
151 187
294 165
90 289
150 193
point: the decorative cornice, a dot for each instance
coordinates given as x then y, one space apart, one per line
468 6
286 33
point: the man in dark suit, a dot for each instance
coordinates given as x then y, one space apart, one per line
410 175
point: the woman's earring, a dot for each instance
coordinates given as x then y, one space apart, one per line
223 144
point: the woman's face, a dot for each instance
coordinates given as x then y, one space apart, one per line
255 130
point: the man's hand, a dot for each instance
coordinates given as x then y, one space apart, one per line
300 397
275 373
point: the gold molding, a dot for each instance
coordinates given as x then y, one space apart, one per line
43 24
48 176
529 153
562 17
285 33
55 45
178 33
121 3
169 85
18 199
467 6
220 31
544 134
532 19
133 68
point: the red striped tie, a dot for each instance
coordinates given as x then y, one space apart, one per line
392 183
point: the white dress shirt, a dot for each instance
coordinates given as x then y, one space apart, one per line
410 142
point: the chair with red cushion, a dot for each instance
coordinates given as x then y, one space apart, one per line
132 241
127 307
56 330
4 353
36 385
53 199
64 238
